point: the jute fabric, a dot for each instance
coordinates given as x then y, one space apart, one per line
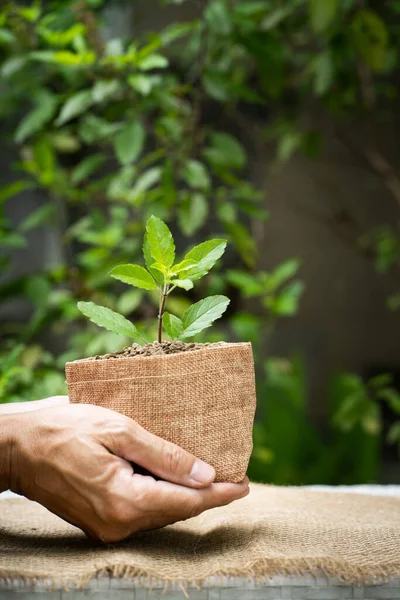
203 400
274 530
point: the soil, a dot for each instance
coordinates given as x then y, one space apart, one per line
156 349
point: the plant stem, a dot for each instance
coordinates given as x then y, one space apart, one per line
163 300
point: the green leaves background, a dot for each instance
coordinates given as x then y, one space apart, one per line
111 131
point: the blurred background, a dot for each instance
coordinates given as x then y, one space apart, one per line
270 123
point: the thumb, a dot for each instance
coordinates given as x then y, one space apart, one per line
160 457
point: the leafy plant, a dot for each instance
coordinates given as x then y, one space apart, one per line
289 447
362 402
163 275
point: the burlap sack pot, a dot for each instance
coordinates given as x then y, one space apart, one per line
203 400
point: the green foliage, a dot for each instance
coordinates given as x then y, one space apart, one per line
107 318
288 447
161 242
112 131
159 246
201 315
278 292
134 275
362 405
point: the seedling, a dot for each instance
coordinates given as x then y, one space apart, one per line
161 273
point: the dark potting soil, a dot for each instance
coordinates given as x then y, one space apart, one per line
156 349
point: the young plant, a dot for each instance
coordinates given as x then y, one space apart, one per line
161 273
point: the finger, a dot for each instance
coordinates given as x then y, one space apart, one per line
163 503
19 407
160 457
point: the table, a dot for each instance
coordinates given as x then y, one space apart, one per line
305 587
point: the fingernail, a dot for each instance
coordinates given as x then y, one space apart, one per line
202 472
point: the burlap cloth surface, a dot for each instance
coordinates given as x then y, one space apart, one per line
274 530
203 400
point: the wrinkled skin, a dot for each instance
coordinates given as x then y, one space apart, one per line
76 461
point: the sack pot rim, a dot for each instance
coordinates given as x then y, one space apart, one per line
213 347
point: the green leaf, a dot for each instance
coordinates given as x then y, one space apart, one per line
248 283
31 13
46 104
64 57
12 65
323 72
74 106
120 184
283 272
63 141
225 151
170 127
93 128
62 38
153 61
184 265
173 32
371 419
186 284
322 13
141 83
161 242
172 325
273 19
107 318
129 142
13 189
205 256
105 89
371 39
243 241
67 58
217 85
87 167
6 37
149 260
287 302
12 240
202 314
37 289
129 301
288 143
381 381
227 212
45 159
218 17
251 9
134 275
114 47
146 181
196 175
38 217
159 267
192 213
393 436
391 397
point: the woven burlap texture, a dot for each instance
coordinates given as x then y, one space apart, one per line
203 400
274 530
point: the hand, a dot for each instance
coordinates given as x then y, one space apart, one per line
75 461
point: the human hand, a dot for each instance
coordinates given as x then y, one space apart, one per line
75 461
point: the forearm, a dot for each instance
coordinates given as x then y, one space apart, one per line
7 446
